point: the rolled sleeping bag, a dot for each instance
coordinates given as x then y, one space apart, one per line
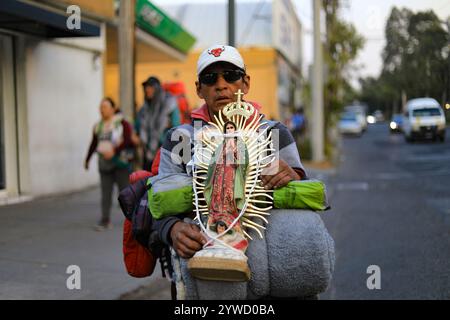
294 259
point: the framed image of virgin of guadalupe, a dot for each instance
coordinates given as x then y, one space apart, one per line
229 156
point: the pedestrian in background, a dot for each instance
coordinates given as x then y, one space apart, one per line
157 115
111 140
298 125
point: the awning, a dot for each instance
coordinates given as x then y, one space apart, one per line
148 48
158 37
153 20
40 20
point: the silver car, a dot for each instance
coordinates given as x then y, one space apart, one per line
349 124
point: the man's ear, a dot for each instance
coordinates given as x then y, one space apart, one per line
197 87
246 84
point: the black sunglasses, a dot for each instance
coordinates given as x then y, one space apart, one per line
230 76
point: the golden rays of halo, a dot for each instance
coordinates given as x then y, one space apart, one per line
261 154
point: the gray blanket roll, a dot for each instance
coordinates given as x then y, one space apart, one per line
295 259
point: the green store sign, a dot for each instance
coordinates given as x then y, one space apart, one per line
151 19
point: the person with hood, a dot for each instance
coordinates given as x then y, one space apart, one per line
157 115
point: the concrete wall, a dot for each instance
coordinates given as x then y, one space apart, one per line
64 86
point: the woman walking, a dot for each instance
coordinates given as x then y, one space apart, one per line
111 140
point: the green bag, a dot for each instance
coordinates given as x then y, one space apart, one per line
307 194
171 202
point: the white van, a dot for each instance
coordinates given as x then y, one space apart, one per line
424 118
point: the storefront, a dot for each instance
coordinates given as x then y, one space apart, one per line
36 74
52 79
286 35
160 40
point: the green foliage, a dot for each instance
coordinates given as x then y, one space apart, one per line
341 48
415 61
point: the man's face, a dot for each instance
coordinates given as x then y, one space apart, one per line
149 92
222 92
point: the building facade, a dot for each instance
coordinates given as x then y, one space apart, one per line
268 35
52 79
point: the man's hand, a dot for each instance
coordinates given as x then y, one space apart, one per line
279 179
186 239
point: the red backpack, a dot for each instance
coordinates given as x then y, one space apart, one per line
139 260
178 90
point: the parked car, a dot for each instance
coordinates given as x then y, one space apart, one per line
349 124
424 118
396 124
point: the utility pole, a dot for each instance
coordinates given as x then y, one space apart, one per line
126 56
317 88
231 23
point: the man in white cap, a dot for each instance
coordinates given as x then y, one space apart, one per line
296 244
221 73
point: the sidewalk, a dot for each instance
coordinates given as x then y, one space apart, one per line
41 238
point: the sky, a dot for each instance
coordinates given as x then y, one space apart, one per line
369 19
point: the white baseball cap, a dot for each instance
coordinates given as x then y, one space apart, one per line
218 53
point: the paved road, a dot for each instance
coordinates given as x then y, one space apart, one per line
391 208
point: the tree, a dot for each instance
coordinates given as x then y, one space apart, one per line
415 61
341 47
425 57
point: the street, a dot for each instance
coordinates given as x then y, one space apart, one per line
391 208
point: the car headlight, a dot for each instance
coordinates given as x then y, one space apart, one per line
370 119
393 125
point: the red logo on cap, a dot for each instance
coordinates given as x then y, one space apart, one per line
216 52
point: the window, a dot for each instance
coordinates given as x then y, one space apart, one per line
426 112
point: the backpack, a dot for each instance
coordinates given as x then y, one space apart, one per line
141 246
139 260
178 90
